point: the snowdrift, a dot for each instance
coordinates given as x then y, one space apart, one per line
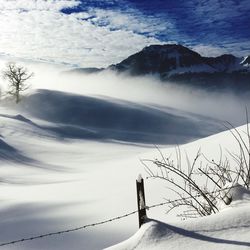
52 170
84 117
228 229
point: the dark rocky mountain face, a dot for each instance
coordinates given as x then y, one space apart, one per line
159 59
223 63
182 65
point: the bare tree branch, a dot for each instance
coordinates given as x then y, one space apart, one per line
17 77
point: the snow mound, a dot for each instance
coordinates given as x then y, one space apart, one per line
85 117
229 229
226 230
239 193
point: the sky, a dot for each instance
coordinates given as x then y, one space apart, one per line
93 33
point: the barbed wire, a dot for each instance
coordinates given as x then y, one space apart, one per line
68 230
103 222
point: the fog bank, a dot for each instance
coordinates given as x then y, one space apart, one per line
149 90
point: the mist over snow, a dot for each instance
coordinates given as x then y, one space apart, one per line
148 90
111 106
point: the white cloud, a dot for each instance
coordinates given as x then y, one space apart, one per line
219 10
38 30
228 48
96 37
130 20
209 50
28 5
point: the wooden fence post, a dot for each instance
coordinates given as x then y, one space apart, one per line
142 215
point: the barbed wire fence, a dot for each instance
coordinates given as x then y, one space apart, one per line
101 222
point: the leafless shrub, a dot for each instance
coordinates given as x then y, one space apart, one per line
242 157
187 187
202 183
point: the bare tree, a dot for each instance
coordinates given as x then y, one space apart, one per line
16 76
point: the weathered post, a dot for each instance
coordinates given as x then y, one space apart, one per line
142 215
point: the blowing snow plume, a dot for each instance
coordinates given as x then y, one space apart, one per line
223 105
85 117
109 106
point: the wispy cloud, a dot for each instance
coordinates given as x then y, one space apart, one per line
98 33
41 31
28 5
220 24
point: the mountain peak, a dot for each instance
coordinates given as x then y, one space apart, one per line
160 59
169 48
166 47
178 63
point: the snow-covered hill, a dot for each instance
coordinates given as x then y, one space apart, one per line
227 230
49 183
100 118
63 164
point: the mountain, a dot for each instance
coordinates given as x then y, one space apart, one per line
180 64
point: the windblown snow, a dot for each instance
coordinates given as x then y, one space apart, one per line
227 230
72 159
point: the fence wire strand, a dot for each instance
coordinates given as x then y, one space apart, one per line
101 222
68 230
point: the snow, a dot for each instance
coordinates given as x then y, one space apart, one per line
139 178
245 61
62 168
227 230
202 68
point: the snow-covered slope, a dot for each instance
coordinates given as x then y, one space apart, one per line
228 229
246 61
97 118
52 183
55 176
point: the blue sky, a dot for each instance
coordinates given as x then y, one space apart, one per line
98 33
211 22
195 21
